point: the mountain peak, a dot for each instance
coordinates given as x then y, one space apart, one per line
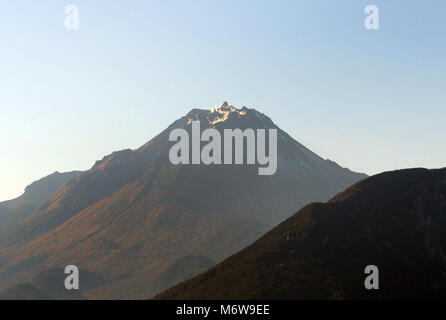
217 113
223 112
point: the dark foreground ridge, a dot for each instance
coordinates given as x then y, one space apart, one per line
394 220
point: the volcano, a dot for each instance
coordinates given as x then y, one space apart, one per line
134 214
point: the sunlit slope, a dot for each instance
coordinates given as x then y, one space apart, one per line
133 213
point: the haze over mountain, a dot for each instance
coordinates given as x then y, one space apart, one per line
26 291
16 210
133 214
394 220
181 270
50 285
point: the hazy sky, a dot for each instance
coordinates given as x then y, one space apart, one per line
371 100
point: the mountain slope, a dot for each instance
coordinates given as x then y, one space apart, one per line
394 220
231 237
24 292
50 285
134 213
16 210
181 270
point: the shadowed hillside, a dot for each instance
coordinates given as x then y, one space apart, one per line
231 237
394 220
183 269
50 285
24 292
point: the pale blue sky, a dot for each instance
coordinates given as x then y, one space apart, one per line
369 100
